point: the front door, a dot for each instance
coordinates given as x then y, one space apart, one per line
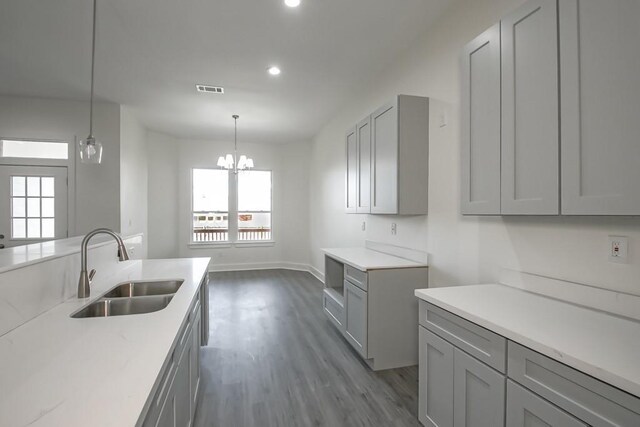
33 201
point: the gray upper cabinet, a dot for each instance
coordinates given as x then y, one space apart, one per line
568 74
400 157
351 190
530 121
363 138
384 182
480 149
600 92
388 159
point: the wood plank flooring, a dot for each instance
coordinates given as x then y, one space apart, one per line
274 360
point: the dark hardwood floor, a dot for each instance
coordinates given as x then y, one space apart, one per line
274 360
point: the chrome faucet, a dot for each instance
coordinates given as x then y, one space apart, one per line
85 278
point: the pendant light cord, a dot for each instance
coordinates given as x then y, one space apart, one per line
235 143
93 62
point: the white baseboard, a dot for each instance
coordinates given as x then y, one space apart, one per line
317 273
268 266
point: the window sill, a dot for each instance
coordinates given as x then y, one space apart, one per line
254 243
241 244
210 245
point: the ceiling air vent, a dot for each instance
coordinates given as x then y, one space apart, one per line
210 89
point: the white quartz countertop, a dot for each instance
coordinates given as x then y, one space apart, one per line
367 259
597 343
59 371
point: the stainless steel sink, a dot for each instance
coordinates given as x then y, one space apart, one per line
144 288
106 307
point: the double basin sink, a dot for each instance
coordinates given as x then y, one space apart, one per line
135 297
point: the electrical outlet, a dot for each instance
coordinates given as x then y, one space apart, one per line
443 119
364 225
618 249
394 228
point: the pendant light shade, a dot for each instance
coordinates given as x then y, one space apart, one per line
90 149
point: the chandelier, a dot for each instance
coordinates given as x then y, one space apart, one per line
231 161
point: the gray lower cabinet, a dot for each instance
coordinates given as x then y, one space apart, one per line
455 389
194 364
181 388
526 409
478 393
355 319
174 403
435 406
167 416
458 387
372 310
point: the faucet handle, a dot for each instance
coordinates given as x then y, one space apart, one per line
91 274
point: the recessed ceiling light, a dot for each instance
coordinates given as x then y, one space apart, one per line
292 3
274 71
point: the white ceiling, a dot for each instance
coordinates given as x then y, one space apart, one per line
150 53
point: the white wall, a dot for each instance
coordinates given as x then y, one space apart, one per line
163 203
170 201
133 176
463 250
97 187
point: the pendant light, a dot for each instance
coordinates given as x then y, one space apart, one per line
90 149
231 162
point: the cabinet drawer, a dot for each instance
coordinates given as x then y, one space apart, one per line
479 342
355 276
333 309
593 401
525 408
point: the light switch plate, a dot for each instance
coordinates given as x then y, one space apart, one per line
618 249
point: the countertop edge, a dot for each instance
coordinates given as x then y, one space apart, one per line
407 263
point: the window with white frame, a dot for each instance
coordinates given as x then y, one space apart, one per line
226 209
32 207
210 205
254 205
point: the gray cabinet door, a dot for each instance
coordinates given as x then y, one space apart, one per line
363 136
480 149
435 370
351 184
600 92
182 389
530 144
194 365
478 393
526 409
384 160
167 417
355 317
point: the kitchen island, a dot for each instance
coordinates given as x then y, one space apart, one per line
59 370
